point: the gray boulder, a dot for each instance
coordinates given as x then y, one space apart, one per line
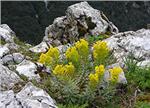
6 33
3 50
80 20
14 58
8 78
28 69
8 59
29 97
42 47
137 43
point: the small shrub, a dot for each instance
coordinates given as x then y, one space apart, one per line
136 75
77 80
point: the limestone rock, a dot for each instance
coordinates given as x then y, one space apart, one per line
18 58
137 43
3 51
42 47
34 97
14 58
145 63
29 97
6 33
8 59
7 78
81 19
28 69
7 100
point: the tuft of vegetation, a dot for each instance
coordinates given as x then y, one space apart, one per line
2 42
78 78
24 49
72 106
92 39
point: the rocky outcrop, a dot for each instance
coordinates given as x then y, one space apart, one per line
137 43
80 20
30 18
14 58
42 47
6 33
29 97
28 69
3 50
8 78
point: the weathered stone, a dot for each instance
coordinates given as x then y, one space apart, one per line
3 50
28 69
7 78
18 58
81 19
8 59
29 97
7 100
6 33
34 97
137 43
14 58
145 63
42 47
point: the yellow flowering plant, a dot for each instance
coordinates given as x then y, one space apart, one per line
94 78
114 72
42 58
100 51
82 48
50 58
54 53
71 79
64 70
72 55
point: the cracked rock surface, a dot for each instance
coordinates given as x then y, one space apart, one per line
28 69
8 78
29 97
137 43
80 21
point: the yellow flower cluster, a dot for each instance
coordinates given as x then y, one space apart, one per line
115 73
95 77
64 69
82 47
100 70
72 55
53 52
79 50
50 56
100 50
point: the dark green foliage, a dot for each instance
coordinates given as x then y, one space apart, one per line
24 49
142 105
92 39
2 42
72 106
137 75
